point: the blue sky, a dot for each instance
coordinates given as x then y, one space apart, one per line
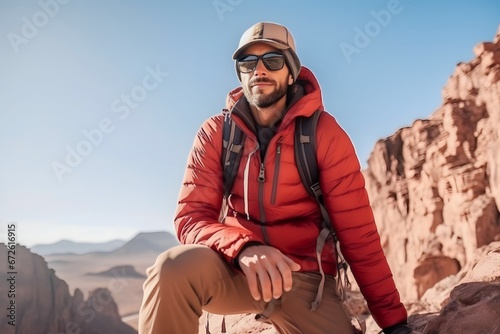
128 83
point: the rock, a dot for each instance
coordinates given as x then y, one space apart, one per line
99 314
44 304
473 308
435 186
463 303
485 267
480 48
241 323
432 269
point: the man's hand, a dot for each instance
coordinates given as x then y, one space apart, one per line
269 267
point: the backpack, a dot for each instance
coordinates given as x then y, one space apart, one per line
306 162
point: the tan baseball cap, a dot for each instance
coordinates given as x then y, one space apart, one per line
276 36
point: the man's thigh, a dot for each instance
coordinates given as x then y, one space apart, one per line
221 288
293 313
185 280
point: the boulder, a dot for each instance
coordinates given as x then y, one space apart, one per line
44 304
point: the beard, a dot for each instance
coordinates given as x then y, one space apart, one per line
262 100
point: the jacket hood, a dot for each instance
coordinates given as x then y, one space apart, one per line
305 104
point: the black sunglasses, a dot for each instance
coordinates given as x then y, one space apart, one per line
273 61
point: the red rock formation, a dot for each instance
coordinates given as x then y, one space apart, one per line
435 186
473 308
432 269
468 302
45 306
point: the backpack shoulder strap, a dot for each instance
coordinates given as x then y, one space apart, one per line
233 139
306 160
307 164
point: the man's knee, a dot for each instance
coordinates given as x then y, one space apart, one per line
181 261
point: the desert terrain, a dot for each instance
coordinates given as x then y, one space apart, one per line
108 270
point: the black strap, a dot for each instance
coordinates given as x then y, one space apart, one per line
232 142
307 164
305 158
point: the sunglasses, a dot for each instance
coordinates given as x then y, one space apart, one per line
273 61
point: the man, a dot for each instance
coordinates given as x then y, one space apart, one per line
261 257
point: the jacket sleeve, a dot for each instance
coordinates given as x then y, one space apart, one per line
200 197
347 202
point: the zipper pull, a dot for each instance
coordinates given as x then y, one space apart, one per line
261 173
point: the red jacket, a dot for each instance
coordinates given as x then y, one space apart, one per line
279 211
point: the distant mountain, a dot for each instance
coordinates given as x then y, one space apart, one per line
119 271
68 246
148 242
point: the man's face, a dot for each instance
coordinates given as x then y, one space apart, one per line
263 87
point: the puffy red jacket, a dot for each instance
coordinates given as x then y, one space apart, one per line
279 211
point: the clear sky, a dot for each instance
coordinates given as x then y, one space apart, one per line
100 100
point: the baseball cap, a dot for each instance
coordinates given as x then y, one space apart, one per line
275 35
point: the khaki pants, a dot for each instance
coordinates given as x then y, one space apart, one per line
187 279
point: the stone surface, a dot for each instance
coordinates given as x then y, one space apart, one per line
473 308
432 269
44 304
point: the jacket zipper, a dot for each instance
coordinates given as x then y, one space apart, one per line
276 171
262 179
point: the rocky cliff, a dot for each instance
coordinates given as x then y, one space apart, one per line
435 186
44 305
